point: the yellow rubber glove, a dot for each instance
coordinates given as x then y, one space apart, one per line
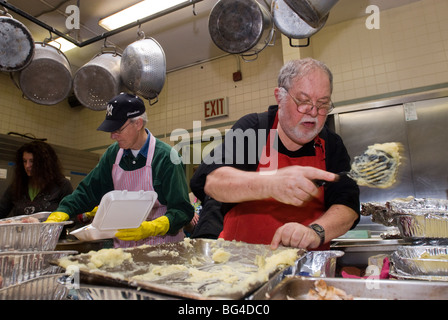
57 216
92 213
156 227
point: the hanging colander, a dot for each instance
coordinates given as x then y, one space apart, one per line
143 68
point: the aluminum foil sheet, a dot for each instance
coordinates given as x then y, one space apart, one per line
41 288
421 261
18 236
190 269
17 267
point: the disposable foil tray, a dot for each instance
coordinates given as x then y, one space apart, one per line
297 288
18 236
20 266
421 261
111 293
187 269
41 288
314 264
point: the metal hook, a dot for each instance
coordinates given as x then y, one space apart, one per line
194 8
140 32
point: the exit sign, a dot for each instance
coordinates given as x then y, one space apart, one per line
216 108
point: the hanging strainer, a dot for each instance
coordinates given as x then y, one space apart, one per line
47 79
143 68
98 80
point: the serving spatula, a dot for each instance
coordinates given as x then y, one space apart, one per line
377 167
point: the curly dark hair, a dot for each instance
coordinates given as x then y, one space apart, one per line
46 170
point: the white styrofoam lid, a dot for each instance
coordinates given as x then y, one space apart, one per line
123 209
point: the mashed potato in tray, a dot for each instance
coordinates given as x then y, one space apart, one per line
223 268
104 257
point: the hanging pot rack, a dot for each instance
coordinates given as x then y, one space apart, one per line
105 35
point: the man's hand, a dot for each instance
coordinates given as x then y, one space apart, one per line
294 185
291 185
295 235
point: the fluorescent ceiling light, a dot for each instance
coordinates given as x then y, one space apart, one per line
136 12
62 44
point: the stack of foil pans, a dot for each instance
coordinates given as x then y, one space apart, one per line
419 219
18 236
41 288
424 220
26 251
17 267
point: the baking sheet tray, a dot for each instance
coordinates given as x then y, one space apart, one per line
188 269
296 288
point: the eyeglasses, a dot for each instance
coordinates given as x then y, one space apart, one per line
119 131
307 106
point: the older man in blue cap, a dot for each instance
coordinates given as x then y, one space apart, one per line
136 161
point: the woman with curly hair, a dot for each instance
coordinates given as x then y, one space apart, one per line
38 185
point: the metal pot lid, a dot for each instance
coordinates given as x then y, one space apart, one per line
236 26
290 23
16 45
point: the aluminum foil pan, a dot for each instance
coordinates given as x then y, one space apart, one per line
18 236
421 260
314 263
17 267
320 263
42 288
297 288
111 293
417 219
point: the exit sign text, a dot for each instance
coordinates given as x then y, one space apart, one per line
216 108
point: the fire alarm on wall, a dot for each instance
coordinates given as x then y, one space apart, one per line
237 76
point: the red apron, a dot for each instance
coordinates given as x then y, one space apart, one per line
256 221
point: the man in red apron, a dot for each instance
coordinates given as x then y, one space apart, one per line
277 199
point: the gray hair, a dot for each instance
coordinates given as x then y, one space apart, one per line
300 68
143 116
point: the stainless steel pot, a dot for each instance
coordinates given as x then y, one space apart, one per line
240 26
98 81
16 45
290 23
143 68
312 11
47 79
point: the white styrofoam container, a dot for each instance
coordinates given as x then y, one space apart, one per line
118 210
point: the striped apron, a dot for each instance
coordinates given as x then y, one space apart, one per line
136 180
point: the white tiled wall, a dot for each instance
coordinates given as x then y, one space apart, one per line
410 50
